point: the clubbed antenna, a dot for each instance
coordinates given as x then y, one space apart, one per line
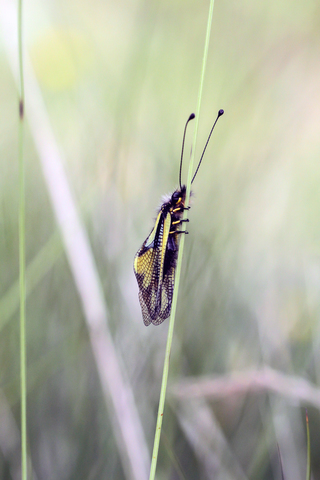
221 112
184 136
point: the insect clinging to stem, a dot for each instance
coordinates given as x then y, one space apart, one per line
155 262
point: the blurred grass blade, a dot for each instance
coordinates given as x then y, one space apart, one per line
10 441
308 476
280 462
173 457
208 441
128 432
179 263
22 257
239 383
37 268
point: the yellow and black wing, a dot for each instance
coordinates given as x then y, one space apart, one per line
155 285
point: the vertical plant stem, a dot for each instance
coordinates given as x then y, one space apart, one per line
204 64
179 263
22 259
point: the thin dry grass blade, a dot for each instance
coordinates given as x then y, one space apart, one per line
128 431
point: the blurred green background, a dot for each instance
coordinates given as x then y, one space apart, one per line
118 80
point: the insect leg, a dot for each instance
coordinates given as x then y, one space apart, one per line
179 231
180 209
180 221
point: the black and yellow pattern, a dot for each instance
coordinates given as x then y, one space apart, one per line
155 261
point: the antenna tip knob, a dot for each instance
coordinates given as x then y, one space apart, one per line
192 116
221 112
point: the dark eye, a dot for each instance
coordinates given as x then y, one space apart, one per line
175 197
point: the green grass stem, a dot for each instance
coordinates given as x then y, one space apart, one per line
22 258
179 263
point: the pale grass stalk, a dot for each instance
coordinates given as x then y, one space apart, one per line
291 387
119 398
207 439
